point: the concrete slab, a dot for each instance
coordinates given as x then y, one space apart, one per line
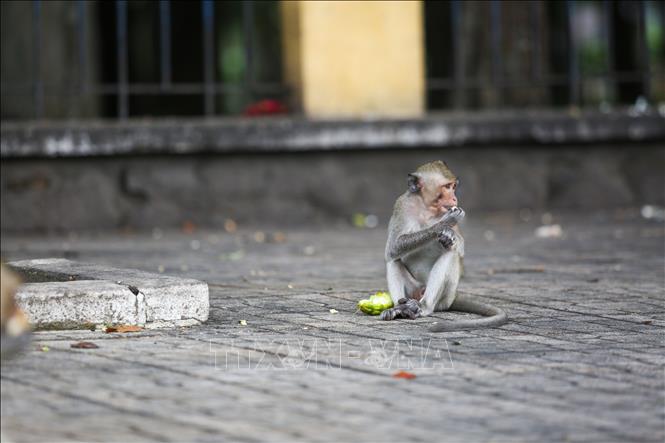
64 294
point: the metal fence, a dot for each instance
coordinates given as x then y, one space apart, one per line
623 82
37 87
457 82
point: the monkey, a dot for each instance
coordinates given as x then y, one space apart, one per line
425 251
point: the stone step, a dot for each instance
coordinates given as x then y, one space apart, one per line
64 294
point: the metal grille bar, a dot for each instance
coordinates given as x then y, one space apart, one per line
208 15
121 40
121 88
165 43
573 60
82 36
497 68
539 75
37 85
458 47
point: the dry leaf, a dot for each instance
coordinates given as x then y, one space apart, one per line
44 348
334 311
279 237
243 322
230 225
525 270
188 227
84 345
647 322
124 328
404 374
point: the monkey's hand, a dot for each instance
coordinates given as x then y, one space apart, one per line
406 308
447 238
452 217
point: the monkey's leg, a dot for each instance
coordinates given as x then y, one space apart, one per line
400 281
442 284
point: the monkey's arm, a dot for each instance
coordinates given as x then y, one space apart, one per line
409 242
406 243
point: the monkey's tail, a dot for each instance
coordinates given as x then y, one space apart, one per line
492 316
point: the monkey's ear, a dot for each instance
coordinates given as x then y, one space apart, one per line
414 183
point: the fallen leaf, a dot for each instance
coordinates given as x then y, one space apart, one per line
279 237
188 227
230 225
237 255
84 345
404 374
123 328
334 311
525 270
44 348
243 322
647 322
358 220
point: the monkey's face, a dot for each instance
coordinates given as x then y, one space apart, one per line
436 184
439 195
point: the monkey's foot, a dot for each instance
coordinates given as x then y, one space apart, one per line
406 308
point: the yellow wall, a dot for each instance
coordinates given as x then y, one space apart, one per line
355 58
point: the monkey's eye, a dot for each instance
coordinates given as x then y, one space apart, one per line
438 197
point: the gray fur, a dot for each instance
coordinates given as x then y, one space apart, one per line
429 258
403 243
493 316
406 308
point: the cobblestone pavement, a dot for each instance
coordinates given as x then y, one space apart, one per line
580 360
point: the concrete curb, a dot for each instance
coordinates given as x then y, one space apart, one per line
288 134
62 294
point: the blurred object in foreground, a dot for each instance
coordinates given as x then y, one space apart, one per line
265 107
651 212
13 322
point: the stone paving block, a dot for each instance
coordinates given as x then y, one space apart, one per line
63 294
576 362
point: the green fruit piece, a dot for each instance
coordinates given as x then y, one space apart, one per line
376 303
364 304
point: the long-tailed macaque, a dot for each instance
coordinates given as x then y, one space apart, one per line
425 250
